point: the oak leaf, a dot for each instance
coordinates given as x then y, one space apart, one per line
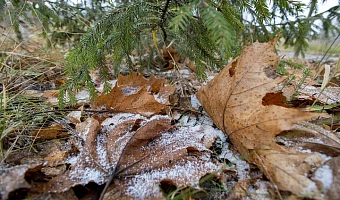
118 144
135 94
234 100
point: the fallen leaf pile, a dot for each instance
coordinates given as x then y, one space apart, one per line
125 143
142 140
234 99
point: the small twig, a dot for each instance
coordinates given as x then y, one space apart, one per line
70 110
176 68
115 171
328 50
28 56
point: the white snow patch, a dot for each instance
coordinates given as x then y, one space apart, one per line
311 188
302 150
82 96
314 140
259 190
147 113
161 98
158 117
324 174
101 87
185 72
284 141
83 134
148 88
146 185
188 137
72 160
110 123
195 102
129 90
74 116
187 120
324 157
101 151
87 175
9 175
209 78
205 119
242 167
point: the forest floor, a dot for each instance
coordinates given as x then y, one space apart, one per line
167 135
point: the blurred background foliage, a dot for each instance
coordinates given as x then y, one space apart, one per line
67 20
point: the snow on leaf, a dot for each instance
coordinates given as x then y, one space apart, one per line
234 100
146 185
85 166
117 146
186 171
74 117
308 136
329 95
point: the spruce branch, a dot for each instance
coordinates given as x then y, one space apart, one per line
208 32
163 19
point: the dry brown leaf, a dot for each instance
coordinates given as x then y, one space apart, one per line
75 116
135 94
69 195
134 80
151 157
156 84
114 193
51 96
132 144
13 178
182 173
81 169
53 171
234 100
239 191
55 157
330 95
170 55
52 132
119 144
190 64
121 132
131 153
306 136
289 169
